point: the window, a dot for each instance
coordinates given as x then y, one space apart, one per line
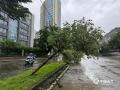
23 31
23 37
3 22
24 25
12 32
2 30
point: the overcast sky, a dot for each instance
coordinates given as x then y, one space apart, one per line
104 13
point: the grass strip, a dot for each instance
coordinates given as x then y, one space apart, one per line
24 81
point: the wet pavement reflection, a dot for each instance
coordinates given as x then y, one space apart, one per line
9 68
93 74
13 67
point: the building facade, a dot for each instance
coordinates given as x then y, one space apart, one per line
36 39
109 35
21 31
50 13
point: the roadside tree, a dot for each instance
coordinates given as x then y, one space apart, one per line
77 39
14 8
114 42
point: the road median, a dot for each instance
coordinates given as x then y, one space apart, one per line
24 81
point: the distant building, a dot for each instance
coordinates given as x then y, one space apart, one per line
21 31
50 13
37 35
109 35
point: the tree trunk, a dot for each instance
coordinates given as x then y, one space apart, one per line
22 52
44 62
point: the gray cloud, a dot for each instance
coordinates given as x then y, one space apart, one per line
104 13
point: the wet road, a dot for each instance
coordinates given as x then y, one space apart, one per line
13 67
91 74
8 68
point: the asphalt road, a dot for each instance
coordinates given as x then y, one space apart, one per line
13 66
93 74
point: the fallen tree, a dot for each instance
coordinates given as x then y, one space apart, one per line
77 39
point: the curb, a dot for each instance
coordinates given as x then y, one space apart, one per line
59 77
37 85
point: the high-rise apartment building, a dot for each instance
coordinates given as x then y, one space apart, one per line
21 31
50 13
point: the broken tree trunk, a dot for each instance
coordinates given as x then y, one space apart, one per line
44 62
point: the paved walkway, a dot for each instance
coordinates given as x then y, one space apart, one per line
102 74
75 79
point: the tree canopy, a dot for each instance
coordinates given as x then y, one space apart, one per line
41 41
14 8
114 42
74 41
81 37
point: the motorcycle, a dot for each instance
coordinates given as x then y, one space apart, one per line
29 61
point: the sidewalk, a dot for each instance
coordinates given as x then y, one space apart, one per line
75 79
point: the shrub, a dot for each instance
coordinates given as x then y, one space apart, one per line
10 48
